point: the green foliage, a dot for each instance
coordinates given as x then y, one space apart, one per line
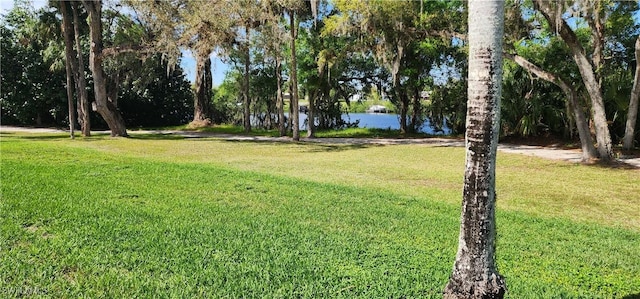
448 105
226 100
406 39
531 107
329 75
31 90
33 80
238 224
152 97
531 37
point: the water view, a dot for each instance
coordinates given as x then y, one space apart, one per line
379 121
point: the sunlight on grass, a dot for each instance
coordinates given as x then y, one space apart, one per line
199 217
529 184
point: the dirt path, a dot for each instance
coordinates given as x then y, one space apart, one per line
569 155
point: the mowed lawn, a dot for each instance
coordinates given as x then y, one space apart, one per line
162 216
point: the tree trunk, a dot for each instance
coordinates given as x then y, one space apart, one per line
69 53
404 110
400 95
588 74
113 84
245 85
417 110
84 117
597 32
474 272
202 92
311 116
588 150
104 107
632 115
295 110
280 98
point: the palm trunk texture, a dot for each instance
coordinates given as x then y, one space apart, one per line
475 274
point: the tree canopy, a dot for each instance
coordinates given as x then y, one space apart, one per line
570 72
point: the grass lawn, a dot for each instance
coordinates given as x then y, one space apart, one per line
165 216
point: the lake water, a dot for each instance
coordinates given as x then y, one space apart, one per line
378 121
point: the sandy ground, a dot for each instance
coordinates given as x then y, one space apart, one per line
569 155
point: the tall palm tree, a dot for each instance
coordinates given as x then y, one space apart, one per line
70 58
84 116
475 274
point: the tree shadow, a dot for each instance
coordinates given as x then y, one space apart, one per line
616 164
161 136
53 136
328 148
632 296
307 146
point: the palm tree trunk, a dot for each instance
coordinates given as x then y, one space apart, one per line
311 116
245 85
84 117
295 110
70 59
632 115
474 272
280 99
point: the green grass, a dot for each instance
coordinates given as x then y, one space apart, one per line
225 129
156 216
344 133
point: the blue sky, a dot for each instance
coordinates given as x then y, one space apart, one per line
218 68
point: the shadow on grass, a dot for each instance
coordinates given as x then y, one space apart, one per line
160 136
632 296
39 136
311 147
328 148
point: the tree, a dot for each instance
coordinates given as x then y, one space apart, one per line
201 29
399 34
530 52
67 31
248 16
105 106
294 9
475 274
32 85
588 150
151 96
294 77
588 72
79 77
632 114
273 38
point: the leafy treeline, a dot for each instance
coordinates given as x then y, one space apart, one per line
33 72
570 67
